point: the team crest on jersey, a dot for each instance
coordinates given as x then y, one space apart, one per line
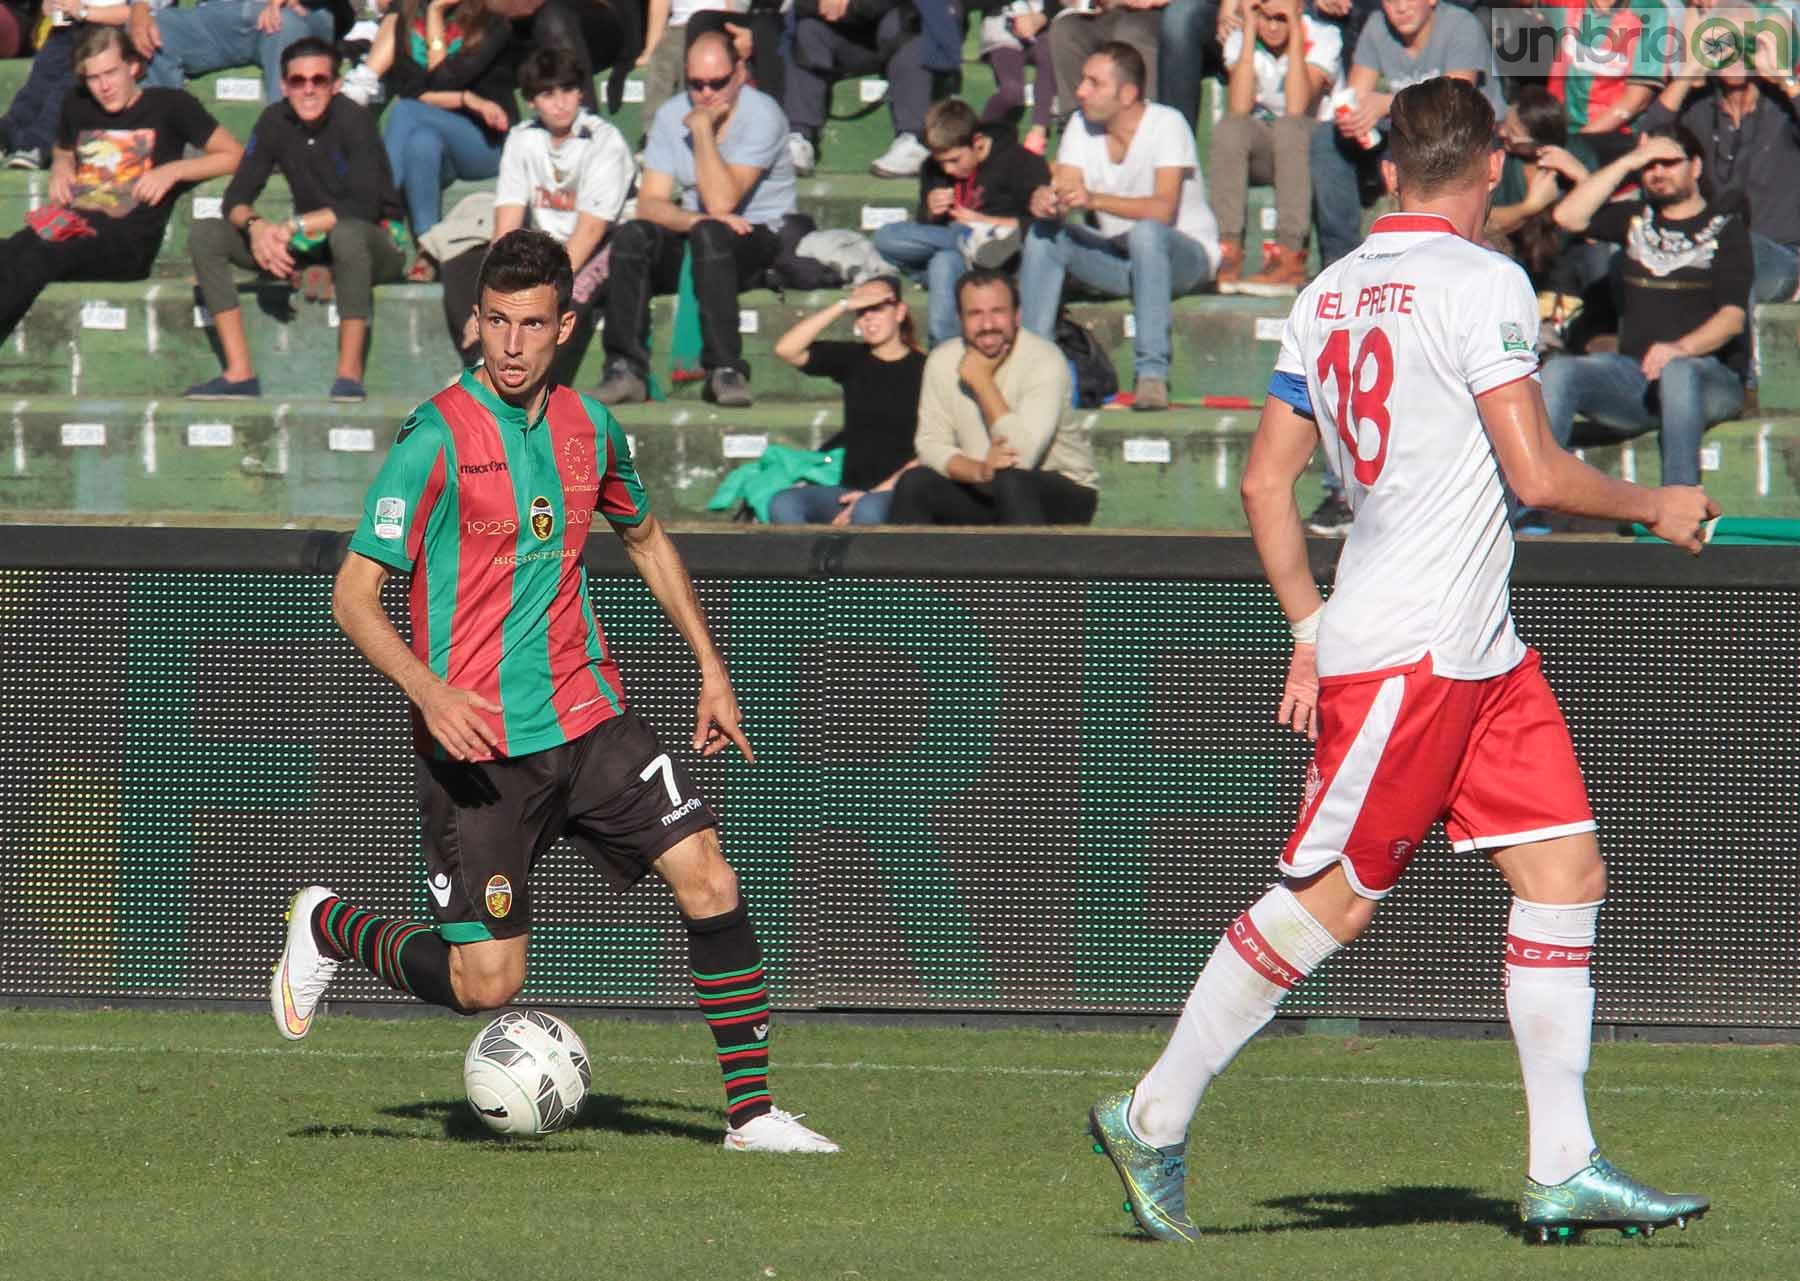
1512 336
499 896
577 461
543 520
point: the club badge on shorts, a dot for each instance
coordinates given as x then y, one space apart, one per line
542 519
499 896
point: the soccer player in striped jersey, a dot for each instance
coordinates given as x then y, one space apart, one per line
1413 359
520 721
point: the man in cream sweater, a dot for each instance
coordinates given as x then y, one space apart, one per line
998 442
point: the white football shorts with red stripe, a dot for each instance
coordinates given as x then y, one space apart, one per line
1399 751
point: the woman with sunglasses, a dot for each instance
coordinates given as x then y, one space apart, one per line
451 65
881 377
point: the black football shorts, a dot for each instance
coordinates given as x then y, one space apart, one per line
614 792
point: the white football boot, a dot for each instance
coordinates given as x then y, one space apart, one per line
776 1131
302 973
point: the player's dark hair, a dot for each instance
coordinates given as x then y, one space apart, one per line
1443 131
96 40
526 259
310 47
545 69
980 278
1684 137
1128 64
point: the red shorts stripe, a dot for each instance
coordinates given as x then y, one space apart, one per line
1259 956
1532 954
1397 753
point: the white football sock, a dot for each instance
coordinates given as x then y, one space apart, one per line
1265 953
1550 1005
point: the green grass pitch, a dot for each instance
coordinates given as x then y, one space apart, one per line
200 1145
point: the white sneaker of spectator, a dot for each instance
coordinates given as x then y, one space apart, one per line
988 244
800 151
902 160
362 86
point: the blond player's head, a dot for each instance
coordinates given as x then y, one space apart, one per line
1442 140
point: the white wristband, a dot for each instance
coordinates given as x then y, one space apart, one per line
1306 631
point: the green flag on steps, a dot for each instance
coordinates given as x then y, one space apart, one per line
684 343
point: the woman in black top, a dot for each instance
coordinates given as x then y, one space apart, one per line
450 66
881 376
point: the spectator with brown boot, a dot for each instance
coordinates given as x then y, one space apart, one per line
1273 103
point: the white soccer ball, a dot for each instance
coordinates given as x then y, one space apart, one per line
526 1073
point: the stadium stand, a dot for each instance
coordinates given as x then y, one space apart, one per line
92 425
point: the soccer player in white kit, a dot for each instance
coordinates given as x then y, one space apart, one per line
1414 361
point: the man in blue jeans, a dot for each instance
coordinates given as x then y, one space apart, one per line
217 35
1685 294
1131 164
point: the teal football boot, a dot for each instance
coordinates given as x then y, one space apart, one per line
1602 1196
1155 1178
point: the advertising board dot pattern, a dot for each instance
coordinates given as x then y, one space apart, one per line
989 794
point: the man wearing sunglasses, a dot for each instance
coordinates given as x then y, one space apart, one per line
717 183
328 149
1684 289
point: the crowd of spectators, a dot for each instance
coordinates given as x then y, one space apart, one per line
1650 189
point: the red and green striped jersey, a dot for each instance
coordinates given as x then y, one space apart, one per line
1603 50
488 511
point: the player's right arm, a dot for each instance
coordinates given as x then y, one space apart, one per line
1544 474
452 716
1495 322
1278 455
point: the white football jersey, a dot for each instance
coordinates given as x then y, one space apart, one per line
1394 342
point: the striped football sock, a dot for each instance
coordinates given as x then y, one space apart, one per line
728 985
409 956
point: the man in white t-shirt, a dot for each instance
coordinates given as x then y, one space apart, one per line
565 172
1131 165
1272 101
1413 360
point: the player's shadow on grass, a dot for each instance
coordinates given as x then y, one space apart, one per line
1394 1207
601 1112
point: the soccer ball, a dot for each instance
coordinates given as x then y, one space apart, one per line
526 1073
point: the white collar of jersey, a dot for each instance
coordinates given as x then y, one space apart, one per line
1404 223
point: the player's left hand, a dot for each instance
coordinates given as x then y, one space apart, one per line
718 721
1659 355
1300 696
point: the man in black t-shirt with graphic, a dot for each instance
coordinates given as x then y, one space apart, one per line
114 175
1686 274
345 207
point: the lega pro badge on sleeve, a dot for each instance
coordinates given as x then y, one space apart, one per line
1512 336
389 513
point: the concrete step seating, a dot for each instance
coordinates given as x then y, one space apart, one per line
308 462
152 337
